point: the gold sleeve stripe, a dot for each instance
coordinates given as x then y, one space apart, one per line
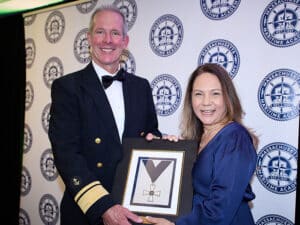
90 196
85 189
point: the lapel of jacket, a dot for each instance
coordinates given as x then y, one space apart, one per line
93 87
127 100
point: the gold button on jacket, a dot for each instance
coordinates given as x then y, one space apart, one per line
97 140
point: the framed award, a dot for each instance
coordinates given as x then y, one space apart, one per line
154 177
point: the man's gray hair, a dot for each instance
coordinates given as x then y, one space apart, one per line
113 8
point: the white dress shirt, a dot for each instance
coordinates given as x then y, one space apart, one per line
115 97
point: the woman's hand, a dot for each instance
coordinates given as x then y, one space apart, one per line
169 137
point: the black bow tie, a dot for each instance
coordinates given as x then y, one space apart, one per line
107 80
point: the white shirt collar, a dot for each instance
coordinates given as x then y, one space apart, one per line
101 72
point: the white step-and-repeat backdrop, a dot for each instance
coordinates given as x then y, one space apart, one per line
257 41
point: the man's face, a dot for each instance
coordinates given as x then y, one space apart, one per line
107 41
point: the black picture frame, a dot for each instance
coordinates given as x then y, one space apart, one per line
168 164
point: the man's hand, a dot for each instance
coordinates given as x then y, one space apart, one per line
158 221
118 215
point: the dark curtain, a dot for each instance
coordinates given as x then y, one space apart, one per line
13 70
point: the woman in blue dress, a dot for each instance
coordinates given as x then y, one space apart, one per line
226 160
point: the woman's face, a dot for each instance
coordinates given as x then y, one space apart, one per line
208 100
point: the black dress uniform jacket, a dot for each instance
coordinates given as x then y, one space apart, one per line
84 136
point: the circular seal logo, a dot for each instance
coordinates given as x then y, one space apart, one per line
222 52
127 61
277 167
55 27
86 7
279 23
166 35
279 94
81 47
48 167
25 181
27 142
273 219
166 93
30 52
52 70
28 20
46 117
48 209
29 95
24 218
129 10
219 10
